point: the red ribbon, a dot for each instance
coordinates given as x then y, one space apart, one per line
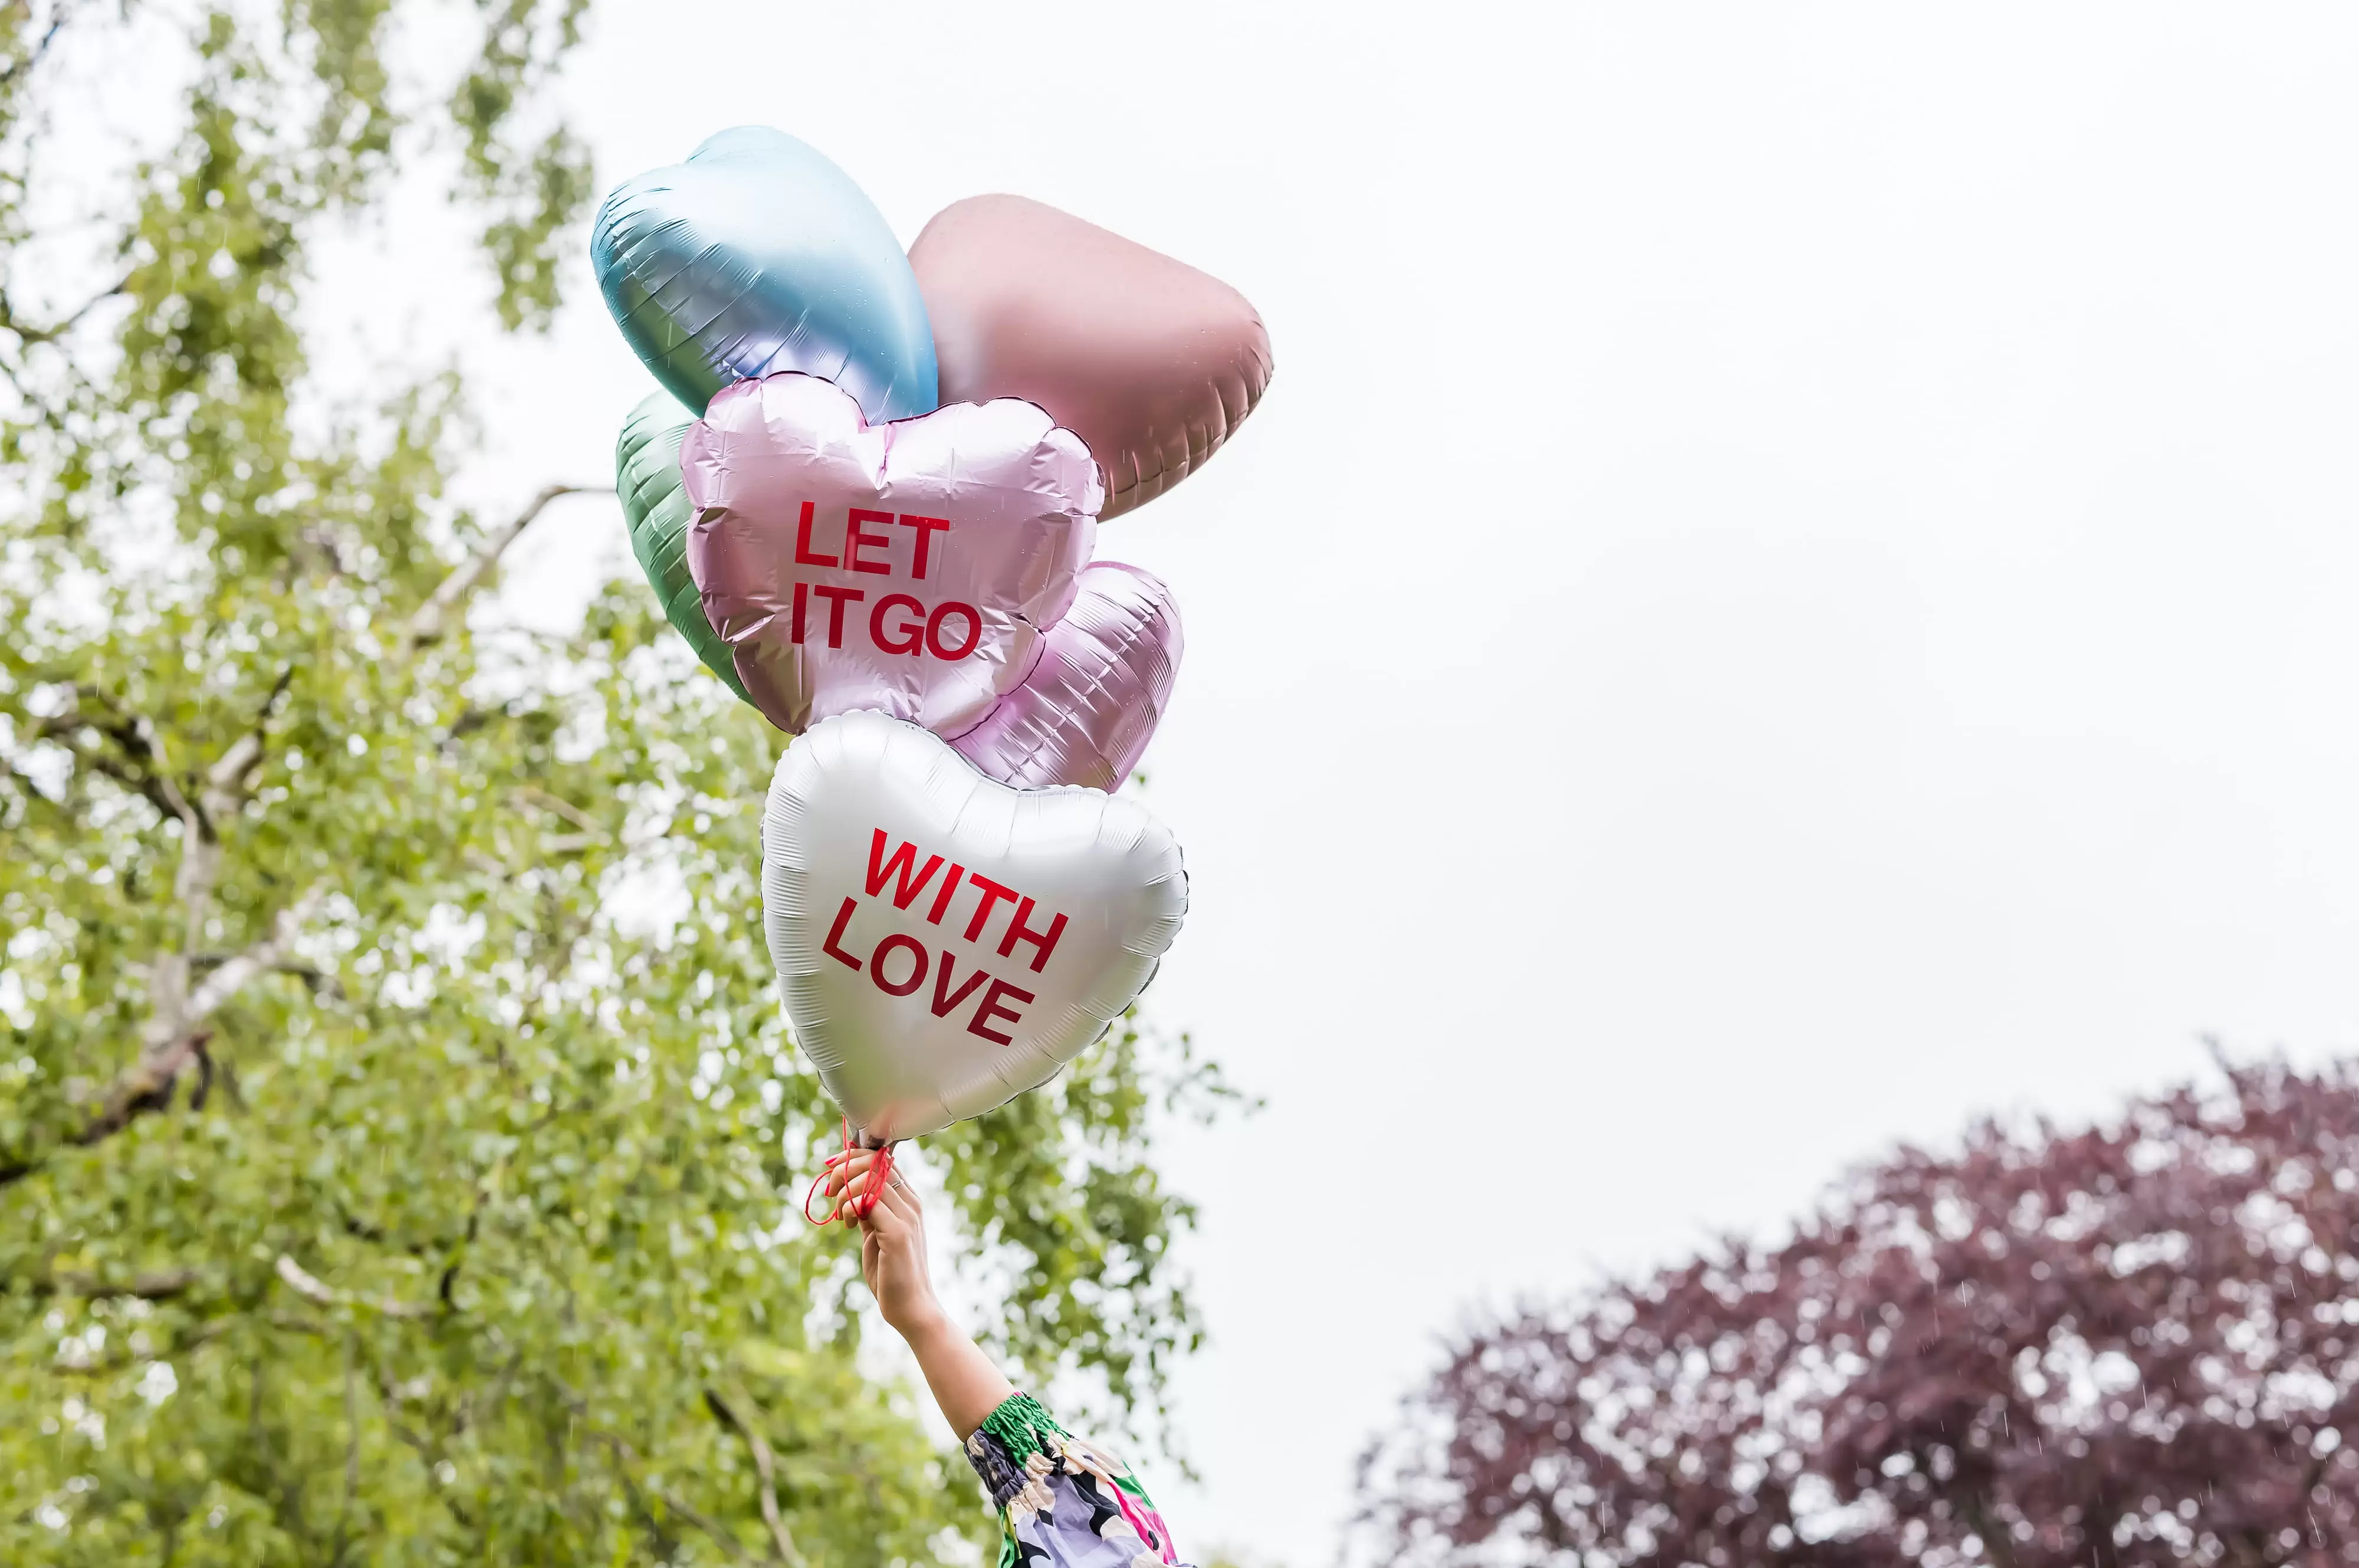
872 1186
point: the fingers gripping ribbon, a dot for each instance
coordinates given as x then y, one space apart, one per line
847 1205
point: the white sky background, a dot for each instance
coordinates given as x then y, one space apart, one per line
1795 583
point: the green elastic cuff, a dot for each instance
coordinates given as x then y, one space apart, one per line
1023 1427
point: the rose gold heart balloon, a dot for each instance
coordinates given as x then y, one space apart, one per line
910 568
1149 361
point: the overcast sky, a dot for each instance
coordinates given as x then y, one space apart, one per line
1795 583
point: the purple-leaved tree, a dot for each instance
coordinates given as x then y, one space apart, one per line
2132 1345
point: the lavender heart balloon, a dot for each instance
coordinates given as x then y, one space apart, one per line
1085 713
909 568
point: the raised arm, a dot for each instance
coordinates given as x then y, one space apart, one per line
965 1383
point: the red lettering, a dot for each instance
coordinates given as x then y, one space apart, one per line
990 1009
835 934
880 869
945 999
836 599
927 527
854 536
803 556
991 893
1043 943
942 898
802 602
934 629
909 629
916 971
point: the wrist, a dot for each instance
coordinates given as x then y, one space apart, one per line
966 1386
921 1320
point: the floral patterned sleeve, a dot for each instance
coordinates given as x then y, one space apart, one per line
1063 1503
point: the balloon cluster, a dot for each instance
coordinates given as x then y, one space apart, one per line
868 496
798 538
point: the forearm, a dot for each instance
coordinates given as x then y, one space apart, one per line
965 1384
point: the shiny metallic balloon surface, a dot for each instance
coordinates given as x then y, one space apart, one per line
1087 711
656 513
757 254
942 941
1150 361
907 567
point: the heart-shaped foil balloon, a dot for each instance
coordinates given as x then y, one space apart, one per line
757 254
1087 711
944 942
1147 360
1083 715
909 566
656 512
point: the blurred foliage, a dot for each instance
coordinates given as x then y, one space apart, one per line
397 1127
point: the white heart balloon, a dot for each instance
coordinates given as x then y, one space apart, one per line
943 942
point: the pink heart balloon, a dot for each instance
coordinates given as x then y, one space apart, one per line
909 568
1085 713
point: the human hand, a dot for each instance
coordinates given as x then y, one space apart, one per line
892 1244
965 1384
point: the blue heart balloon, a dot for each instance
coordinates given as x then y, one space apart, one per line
757 254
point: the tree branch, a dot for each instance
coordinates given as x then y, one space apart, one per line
147 770
160 1285
234 973
39 404
175 1035
767 1494
627 1457
433 618
352 1456
34 55
319 1294
318 981
25 331
532 795
147 1085
226 780
141 769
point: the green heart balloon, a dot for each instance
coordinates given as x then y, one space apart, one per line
655 506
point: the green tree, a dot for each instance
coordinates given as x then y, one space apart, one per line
395 1119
